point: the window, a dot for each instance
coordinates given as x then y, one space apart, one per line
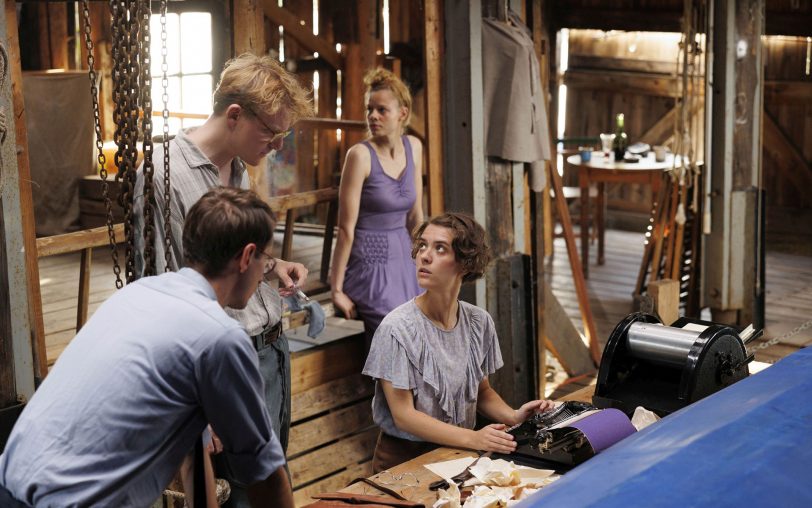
189 60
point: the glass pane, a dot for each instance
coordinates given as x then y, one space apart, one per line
172 43
195 32
173 90
197 94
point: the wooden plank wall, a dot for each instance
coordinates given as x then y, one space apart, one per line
788 103
632 73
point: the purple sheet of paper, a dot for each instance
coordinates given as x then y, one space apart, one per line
605 428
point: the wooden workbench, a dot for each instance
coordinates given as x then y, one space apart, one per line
411 479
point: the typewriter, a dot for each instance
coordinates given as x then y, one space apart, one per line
545 439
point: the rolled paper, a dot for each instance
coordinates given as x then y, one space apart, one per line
605 428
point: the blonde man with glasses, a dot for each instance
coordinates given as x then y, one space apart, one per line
255 105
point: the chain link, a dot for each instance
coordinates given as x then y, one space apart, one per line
782 338
100 158
165 115
145 64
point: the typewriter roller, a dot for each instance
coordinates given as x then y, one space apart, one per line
567 435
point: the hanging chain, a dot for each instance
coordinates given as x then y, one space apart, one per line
145 64
129 95
782 338
101 159
165 115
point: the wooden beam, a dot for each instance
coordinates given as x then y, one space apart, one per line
284 203
433 69
661 130
602 63
360 58
623 82
778 143
249 31
76 241
788 91
575 264
58 36
24 192
563 339
332 123
567 15
303 36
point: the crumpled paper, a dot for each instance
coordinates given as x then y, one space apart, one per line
497 484
448 498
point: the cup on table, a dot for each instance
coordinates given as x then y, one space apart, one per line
607 139
586 153
659 153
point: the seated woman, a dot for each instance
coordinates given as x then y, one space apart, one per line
432 356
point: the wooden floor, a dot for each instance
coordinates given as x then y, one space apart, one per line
789 289
788 301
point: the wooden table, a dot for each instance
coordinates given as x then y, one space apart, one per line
600 171
411 479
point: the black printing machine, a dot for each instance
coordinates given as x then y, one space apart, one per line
665 368
661 368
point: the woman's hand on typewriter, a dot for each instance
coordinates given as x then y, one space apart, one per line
528 409
493 438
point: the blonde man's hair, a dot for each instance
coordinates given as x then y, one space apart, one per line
262 84
382 79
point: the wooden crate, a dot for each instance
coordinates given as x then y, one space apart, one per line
332 436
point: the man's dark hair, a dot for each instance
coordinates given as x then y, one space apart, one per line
221 224
469 244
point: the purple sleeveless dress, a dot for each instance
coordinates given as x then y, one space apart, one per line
381 273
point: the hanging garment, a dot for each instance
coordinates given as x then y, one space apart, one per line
515 115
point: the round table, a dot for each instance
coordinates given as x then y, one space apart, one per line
600 170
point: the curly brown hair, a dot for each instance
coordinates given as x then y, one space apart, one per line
470 247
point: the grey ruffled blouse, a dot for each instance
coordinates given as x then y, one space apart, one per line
442 368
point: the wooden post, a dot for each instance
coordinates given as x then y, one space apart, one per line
463 117
23 296
249 31
361 57
733 258
249 37
665 293
433 61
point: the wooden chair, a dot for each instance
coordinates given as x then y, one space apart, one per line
571 189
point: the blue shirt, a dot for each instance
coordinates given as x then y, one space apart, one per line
132 392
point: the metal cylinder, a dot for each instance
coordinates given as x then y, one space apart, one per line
661 344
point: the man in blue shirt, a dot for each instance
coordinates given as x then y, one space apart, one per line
159 360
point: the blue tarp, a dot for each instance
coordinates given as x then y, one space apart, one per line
747 445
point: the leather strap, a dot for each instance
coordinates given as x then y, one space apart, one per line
380 487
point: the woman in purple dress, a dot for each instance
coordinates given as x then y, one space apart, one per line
379 203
